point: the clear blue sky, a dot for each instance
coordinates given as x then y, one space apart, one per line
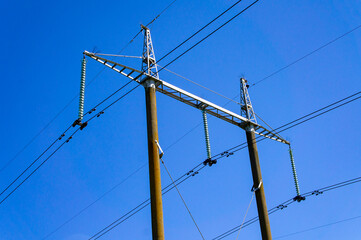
42 46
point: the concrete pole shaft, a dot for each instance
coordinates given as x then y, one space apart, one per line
257 179
154 164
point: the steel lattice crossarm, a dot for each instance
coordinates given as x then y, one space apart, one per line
188 98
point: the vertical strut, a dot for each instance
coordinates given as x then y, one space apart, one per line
82 89
206 134
246 105
149 64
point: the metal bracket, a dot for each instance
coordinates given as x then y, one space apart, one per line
257 188
159 149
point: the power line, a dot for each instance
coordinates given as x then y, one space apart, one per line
103 195
285 204
36 136
37 167
285 67
72 100
292 200
228 153
96 115
52 144
165 9
310 115
307 55
194 34
93 202
318 227
194 171
224 24
105 99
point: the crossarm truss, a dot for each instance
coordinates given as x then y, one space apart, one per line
188 98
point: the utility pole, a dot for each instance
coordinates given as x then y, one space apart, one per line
247 111
258 184
149 67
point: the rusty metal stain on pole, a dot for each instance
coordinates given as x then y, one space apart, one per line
154 164
257 182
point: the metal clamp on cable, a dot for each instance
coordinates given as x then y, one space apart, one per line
83 125
209 162
76 122
299 198
257 188
159 149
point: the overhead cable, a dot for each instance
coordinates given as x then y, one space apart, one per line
224 154
72 100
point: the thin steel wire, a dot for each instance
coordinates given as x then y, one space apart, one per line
208 89
244 218
184 202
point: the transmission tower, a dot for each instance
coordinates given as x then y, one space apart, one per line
148 76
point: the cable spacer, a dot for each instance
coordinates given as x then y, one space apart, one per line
62 135
257 188
226 153
92 110
100 113
281 206
317 192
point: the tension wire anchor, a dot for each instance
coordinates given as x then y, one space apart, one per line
253 189
160 150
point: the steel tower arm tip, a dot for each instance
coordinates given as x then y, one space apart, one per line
126 71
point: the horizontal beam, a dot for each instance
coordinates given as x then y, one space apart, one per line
200 103
213 109
188 98
126 71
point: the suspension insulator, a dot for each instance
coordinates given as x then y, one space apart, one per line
206 133
295 178
82 89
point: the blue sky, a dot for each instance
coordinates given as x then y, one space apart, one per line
40 65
